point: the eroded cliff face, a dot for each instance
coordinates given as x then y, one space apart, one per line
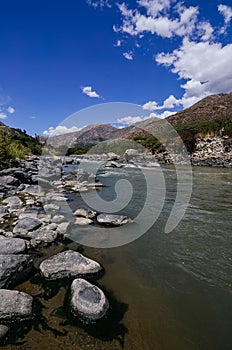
213 151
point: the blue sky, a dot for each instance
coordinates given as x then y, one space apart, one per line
58 57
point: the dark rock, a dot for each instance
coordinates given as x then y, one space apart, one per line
15 305
14 269
27 224
22 177
12 245
88 300
113 220
68 264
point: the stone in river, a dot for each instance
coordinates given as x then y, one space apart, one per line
113 220
15 305
88 300
83 221
14 269
27 224
85 213
12 245
68 264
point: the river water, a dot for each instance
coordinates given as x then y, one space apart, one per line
167 291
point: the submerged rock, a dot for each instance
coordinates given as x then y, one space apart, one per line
68 264
14 269
113 220
88 300
12 245
15 305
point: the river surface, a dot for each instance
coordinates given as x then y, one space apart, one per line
167 291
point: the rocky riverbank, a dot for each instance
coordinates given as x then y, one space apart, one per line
33 215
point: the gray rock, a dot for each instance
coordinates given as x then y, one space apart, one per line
14 269
3 331
82 221
12 245
68 264
88 300
85 213
13 202
3 209
9 180
58 219
43 236
27 224
15 305
113 220
63 227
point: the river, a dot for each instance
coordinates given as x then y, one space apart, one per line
167 291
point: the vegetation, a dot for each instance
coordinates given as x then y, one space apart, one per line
118 146
16 144
189 132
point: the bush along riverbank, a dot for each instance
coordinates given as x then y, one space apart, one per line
32 221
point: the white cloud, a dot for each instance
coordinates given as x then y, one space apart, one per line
205 30
155 7
98 3
128 55
118 43
10 110
136 119
226 11
157 21
3 115
130 119
169 103
60 130
205 66
88 90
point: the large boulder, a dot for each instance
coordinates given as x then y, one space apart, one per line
27 224
15 305
113 220
14 269
88 300
12 245
68 264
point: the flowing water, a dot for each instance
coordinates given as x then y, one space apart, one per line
167 291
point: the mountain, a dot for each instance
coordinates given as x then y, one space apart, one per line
214 107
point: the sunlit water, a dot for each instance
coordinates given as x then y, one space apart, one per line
167 291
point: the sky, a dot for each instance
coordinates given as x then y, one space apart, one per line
59 57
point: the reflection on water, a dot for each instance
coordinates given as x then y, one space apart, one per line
167 291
